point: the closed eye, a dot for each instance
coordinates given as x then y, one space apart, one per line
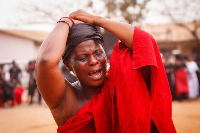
99 53
83 58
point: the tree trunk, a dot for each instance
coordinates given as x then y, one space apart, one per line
198 42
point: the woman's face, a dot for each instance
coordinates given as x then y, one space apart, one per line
88 62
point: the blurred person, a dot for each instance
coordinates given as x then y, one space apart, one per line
133 96
67 75
169 69
8 93
2 75
1 70
32 83
2 78
181 80
15 71
197 60
193 83
18 90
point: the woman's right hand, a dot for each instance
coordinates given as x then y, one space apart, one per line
83 16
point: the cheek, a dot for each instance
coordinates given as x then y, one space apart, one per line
103 60
79 68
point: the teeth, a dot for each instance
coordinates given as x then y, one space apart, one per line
94 72
97 75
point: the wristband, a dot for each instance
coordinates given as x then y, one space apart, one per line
69 19
64 22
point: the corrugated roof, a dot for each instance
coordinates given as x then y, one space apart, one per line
37 36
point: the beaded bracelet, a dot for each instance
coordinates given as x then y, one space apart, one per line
69 19
64 22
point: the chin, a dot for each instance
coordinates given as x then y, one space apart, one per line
100 83
95 84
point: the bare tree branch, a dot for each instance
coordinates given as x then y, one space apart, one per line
132 11
182 12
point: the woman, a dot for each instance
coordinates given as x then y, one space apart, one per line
169 69
193 84
181 80
125 99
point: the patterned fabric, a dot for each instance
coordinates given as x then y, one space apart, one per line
124 104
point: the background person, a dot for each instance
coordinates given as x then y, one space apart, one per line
15 71
18 90
193 83
169 69
181 80
32 87
8 91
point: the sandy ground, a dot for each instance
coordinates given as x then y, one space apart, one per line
186 116
38 119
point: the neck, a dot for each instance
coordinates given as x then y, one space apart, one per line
88 92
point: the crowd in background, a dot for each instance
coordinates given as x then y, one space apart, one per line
183 74
11 90
182 71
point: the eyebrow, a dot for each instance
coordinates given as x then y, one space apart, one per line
86 52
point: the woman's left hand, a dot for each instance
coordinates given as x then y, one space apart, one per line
83 16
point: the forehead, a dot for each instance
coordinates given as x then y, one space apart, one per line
87 46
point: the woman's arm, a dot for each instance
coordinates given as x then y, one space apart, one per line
123 31
50 80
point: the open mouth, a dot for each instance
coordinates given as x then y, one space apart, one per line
95 74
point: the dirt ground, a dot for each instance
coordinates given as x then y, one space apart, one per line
186 116
38 119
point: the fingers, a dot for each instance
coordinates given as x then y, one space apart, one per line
76 13
72 15
82 16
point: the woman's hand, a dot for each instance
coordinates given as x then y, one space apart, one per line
123 31
83 16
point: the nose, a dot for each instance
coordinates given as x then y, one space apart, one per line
93 60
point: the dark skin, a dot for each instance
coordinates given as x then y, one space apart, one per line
87 61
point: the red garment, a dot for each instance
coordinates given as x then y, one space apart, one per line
181 81
18 95
124 104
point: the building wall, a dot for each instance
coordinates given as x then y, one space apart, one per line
15 48
18 49
186 47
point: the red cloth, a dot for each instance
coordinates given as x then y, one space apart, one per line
18 95
181 81
124 104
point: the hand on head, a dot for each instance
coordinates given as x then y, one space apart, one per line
83 16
